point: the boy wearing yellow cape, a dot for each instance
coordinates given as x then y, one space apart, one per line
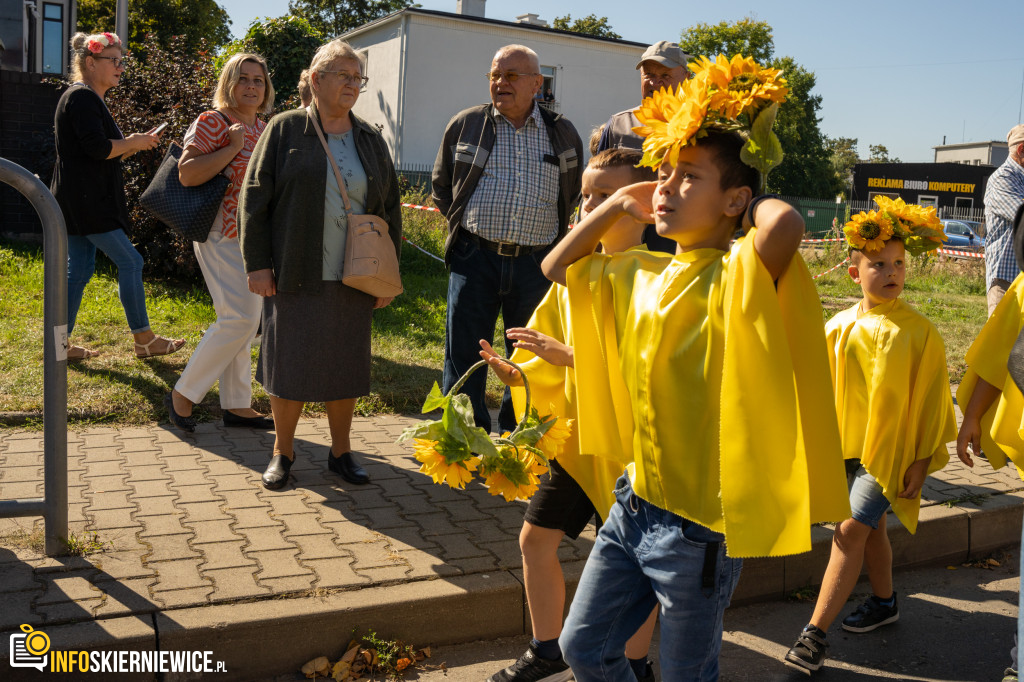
561 506
895 416
686 376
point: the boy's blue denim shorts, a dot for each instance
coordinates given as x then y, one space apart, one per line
867 502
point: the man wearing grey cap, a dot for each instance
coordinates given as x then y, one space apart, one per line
663 65
1003 196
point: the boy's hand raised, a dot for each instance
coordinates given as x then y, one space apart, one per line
508 374
638 201
543 346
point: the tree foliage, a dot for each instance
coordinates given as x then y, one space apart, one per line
334 17
806 169
879 154
590 25
843 157
198 19
288 44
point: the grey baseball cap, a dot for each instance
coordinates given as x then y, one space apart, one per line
1015 136
665 53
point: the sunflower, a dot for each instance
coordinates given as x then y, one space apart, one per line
918 226
552 443
500 484
739 85
671 121
868 231
434 463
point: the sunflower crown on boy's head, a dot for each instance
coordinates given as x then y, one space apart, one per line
724 94
918 227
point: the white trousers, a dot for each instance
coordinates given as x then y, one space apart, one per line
224 352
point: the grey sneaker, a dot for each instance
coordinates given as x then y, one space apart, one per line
872 614
809 652
532 668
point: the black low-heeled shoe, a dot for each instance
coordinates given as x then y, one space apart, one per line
346 466
277 472
257 422
186 424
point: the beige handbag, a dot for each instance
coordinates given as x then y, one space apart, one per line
370 261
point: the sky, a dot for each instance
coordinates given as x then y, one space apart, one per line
906 74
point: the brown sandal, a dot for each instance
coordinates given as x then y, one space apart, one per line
81 353
164 346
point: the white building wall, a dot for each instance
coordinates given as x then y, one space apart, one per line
446 63
378 105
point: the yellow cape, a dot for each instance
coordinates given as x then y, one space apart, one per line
1002 428
684 367
891 395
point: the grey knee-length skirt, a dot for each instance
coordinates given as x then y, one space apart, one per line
316 346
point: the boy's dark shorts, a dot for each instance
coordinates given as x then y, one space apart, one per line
560 503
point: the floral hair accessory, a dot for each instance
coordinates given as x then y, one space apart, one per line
918 227
724 94
452 448
98 42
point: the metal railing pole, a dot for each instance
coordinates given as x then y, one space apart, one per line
55 353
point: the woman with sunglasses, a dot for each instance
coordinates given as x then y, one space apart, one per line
89 188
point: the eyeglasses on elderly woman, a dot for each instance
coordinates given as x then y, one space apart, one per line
352 78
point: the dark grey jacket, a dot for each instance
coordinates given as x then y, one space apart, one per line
281 205
468 141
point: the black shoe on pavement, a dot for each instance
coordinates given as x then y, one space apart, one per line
276 475
186 424
648 674
532 668
345 465
809 652
872 614
257 422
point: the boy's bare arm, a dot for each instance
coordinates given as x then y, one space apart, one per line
634 200
779 231
543 346
913 480
970 431
508 374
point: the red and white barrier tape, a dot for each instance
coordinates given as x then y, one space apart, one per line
834 267
955 252
818 241
422 208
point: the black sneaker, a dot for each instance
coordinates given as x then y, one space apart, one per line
532 668
648 674
872 614
809 652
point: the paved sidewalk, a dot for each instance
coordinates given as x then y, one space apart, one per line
198 556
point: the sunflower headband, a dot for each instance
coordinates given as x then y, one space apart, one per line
918 227
98 42
724 94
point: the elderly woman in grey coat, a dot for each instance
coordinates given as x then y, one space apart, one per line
316 330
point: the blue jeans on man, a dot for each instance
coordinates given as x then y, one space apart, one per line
481 284
644 556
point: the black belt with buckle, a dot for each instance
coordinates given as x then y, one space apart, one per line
503 248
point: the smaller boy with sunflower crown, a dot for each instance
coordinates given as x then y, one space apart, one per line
895 416
686 377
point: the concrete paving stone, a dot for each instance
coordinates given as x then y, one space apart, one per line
124 540
347 532
336 572
402 539
438 523
368 498
293 502
76 511
486 531
338 512
76 479
303 524
388 448
31 444
187 462
414 504
69 611
158 526
93 455
508 552
75 462
368 555
385 574
426 565
402 485
144 489
176 599
289 584
16 491
177 447
209 438
155 506
109 519
253 459
146 472
178 575
324 493
382 471
67 588
171 548
17 577
223 467
465 510
279 563
203 511
480 564
76 494
166 433
264 539
123 597
45 565
316 546
107 484
120 565
387 517
187 477
509 517
143 457
18 610
236 482
109 500
213 531
20 474
440 494
188 494
234 583
223 555
95 439
253 517
458 546
241 499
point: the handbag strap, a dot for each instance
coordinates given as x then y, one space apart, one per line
330 157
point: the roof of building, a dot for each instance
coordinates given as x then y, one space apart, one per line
968 145
486 20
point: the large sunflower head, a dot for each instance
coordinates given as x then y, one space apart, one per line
868 231
456 474
917 226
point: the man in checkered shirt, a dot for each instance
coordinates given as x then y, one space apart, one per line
1003 196
507 177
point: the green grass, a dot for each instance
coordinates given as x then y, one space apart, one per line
408 336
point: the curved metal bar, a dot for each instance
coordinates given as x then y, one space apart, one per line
55 354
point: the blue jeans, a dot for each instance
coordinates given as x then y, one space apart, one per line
480 285
644 556
867 501
82 263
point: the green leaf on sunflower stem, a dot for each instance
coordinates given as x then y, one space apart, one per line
480 442
534 431
763 150
435 399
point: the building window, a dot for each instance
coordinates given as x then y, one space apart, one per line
53 38
926 200
549 79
